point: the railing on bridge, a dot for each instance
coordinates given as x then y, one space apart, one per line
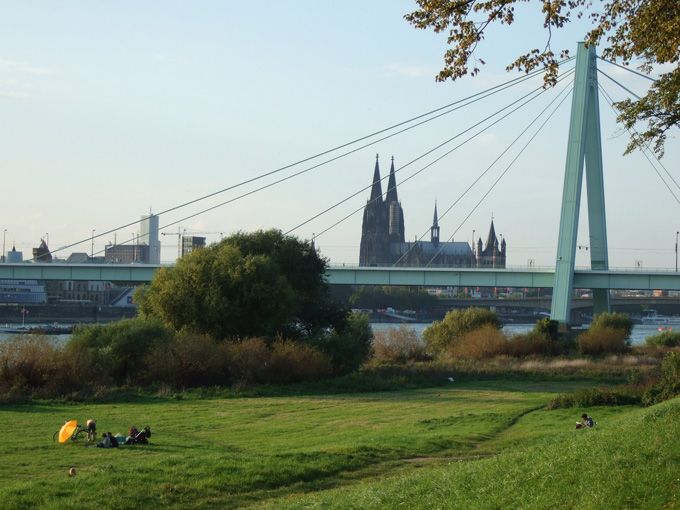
343 275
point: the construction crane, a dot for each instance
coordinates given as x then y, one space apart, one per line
179 235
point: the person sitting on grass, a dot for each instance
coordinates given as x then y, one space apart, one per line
586 423
112 440
105 443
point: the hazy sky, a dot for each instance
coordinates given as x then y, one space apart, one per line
112 109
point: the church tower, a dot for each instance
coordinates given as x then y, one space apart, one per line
493 254
434 230
383 222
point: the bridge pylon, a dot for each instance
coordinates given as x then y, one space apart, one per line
584 146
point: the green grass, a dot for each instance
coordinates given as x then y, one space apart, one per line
470 445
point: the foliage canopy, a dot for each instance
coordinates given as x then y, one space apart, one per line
645 31
249 284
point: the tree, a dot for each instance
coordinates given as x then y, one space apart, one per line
644 30
257 284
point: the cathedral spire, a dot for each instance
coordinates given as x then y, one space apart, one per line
434 230
376 190
392 186
492 236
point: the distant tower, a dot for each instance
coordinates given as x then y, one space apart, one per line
148 228
42 253
434 230
383 222
493 254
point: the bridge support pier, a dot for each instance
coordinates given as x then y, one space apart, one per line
584 146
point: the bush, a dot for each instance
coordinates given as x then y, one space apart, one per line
293 362
249 361
614 320
29 362
592 397
664 339
118 351
349 347
669 385
399 345
442 334
189 360
486 341
547 328
532 344
606 340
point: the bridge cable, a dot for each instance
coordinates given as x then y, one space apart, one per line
271 184
646 151
540 91
507 168
620 85
471 99
628 69
413 161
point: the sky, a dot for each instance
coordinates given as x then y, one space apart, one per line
112 110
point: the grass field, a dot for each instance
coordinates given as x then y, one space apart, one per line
471 445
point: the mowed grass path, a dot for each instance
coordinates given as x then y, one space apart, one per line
340 451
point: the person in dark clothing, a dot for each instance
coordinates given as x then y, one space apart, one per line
112 438
586 423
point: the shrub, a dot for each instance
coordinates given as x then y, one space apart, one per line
30 361
547 328
348 347
190 359
249 361
486 341
293 362
117 351
398 345
532 344
664 339
669 385
599 341
592 397
442 334
614 320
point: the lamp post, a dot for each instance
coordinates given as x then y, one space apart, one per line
92 249
676 251
3 245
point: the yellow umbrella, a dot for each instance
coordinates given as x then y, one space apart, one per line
67 430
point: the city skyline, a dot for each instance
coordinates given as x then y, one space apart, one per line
108 115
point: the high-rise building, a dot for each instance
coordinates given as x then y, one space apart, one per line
148 235
190 243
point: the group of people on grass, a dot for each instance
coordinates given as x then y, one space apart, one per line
110 441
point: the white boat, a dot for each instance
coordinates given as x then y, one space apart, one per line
651 317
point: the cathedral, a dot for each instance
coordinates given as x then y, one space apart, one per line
383 242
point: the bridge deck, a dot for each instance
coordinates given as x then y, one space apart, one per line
426 277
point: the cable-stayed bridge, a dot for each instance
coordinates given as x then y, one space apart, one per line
584 153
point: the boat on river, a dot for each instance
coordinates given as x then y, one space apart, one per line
652 318
45 329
